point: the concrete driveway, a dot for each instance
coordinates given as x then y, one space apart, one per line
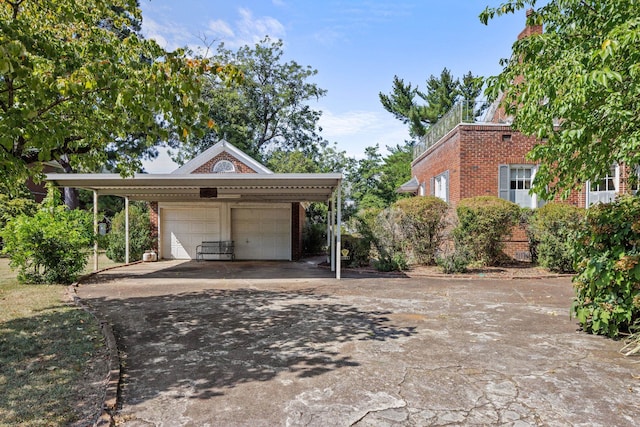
275 344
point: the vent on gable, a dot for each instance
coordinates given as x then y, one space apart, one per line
223 166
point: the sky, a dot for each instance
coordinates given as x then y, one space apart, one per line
356 46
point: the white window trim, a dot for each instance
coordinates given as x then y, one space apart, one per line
222 164
616 186
504 192
437 181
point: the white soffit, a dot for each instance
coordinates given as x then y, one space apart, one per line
228 186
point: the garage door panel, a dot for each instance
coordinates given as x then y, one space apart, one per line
184 229
261 233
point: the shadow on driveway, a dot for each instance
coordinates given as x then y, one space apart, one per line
206 342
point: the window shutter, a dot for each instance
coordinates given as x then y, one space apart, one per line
432 186
446 190
503 182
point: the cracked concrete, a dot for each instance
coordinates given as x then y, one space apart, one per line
268 344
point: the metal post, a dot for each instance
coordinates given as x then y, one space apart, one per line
126 229
339 232
328 227
333 231
95 230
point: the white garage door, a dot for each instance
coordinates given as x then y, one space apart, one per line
261 233
184 229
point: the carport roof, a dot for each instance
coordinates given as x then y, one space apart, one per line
194 187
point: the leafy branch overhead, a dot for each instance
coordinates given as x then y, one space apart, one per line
78 83
576 87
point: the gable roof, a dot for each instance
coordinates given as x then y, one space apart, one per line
411 186
215 150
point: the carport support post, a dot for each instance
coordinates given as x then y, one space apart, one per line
339 232
328 229
126 229
95 230
332 227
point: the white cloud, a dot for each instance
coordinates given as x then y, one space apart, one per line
168 35
220 28
247 29
356 130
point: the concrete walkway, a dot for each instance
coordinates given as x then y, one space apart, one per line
284 344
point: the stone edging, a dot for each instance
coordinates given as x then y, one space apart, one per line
110 399
456 276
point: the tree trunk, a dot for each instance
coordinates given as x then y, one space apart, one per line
70 194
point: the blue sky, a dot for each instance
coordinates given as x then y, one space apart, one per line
356 46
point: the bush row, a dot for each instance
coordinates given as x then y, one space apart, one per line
414 231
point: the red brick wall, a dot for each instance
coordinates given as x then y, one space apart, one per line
472 154
240 167
482 149
153 217
441 157
297 222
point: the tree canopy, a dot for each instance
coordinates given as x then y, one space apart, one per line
268 111
442 92
376 178
80 86
576 87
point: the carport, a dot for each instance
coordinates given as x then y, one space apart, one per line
231 187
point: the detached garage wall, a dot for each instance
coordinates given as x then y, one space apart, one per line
260 231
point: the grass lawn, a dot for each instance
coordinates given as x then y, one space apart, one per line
52 356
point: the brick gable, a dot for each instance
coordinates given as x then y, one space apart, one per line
240 166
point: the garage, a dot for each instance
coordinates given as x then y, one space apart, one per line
262 233
182 230
221 194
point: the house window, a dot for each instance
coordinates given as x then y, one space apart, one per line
223 166
604 189
440 186
515 183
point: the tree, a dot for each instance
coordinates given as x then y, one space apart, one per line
376 178
575 87
441 94
78 84
268 111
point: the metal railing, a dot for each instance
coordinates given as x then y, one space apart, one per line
461 112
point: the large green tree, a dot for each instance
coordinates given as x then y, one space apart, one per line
376 178
576 87
268 111
421 109
78 85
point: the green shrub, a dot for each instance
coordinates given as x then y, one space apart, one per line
50 246
553 228
381 229
483 224
607 251
455 262
139 234
314 238
359 250
422 223
396 262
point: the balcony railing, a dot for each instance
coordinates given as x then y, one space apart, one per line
461 112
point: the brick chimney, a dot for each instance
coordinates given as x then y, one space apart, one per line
496 112
530 29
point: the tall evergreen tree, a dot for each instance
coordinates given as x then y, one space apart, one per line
421 109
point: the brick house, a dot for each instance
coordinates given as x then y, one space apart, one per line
462 157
